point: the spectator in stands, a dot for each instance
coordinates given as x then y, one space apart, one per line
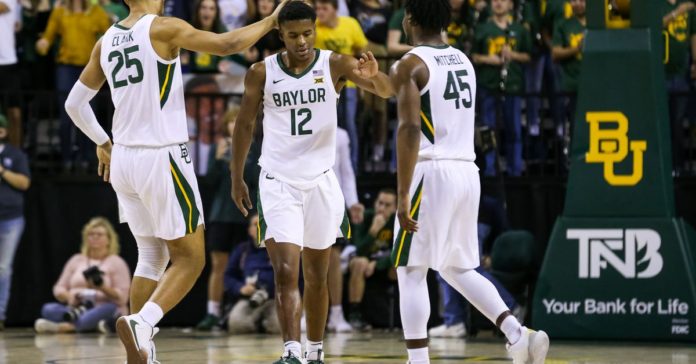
9 70
342 35
501 48
373 16
206 16
226 227
79 25
235 13
568 39
678 22
36 72
93 287
346 179
492 222
14 180
249 279
534 77
458 31
270 43
204 110
373 240
552 14
397 43
116 10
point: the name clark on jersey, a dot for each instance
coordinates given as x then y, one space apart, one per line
299 97
448 60
121 38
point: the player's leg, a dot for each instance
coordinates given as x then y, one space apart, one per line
315 266
414 303
285 258
153 258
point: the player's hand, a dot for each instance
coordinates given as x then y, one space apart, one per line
367 66
240 196
280 6
404 214
357 213
104 156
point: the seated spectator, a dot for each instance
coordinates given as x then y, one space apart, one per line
373 240
249 279
78 24
93 287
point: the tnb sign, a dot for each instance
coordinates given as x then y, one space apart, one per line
618 249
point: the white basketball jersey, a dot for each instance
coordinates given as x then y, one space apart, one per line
299 120
447 104
147 90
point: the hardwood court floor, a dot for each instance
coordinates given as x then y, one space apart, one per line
177 346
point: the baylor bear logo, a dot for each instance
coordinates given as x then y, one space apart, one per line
609 145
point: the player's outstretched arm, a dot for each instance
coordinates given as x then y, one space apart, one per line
243 133
181 34
403 75
81 113
364 72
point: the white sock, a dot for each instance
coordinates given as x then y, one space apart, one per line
512 329
294 347
313 348
337 312
151 313
214 308
418 356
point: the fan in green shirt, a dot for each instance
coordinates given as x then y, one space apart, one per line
679 30
498 44
552 13
568 39
373 239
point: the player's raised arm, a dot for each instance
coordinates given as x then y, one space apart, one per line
81 113
181 34
243 133
408 134
364 72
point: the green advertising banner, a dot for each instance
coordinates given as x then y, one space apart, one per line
619 264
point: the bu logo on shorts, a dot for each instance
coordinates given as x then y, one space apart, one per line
185 154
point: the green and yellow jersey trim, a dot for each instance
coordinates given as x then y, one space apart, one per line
401 250
185 196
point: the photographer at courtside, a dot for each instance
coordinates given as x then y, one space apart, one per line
249 280
93 287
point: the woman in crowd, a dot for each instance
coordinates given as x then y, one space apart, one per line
206 16
93 287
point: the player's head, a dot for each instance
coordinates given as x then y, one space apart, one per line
426 17
385 204
327 10
252 228
297 29
206 15
156 5
578 7
3 128
501 7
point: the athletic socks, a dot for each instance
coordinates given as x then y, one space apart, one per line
511 328
294 347
418 356
214 308
314 349
151 313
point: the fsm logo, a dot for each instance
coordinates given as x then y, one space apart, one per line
609 145
618 248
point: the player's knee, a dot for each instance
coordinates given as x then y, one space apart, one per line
153 257
286 275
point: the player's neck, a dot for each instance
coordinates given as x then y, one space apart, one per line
428 39
141 9
295 65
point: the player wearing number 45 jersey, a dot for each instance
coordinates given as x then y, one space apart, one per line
300 203
150 168
438 185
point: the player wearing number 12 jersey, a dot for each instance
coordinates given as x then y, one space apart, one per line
438 185
300 203
151 171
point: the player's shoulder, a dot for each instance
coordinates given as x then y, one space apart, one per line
257 73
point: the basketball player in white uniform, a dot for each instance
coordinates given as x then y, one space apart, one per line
300 203
151 171
438 185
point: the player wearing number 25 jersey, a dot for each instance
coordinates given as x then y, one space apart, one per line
149 167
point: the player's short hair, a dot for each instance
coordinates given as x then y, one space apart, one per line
296 10
333 3
431 15
387 191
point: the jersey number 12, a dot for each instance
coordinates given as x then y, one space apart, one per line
298 129
454 89
124 58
